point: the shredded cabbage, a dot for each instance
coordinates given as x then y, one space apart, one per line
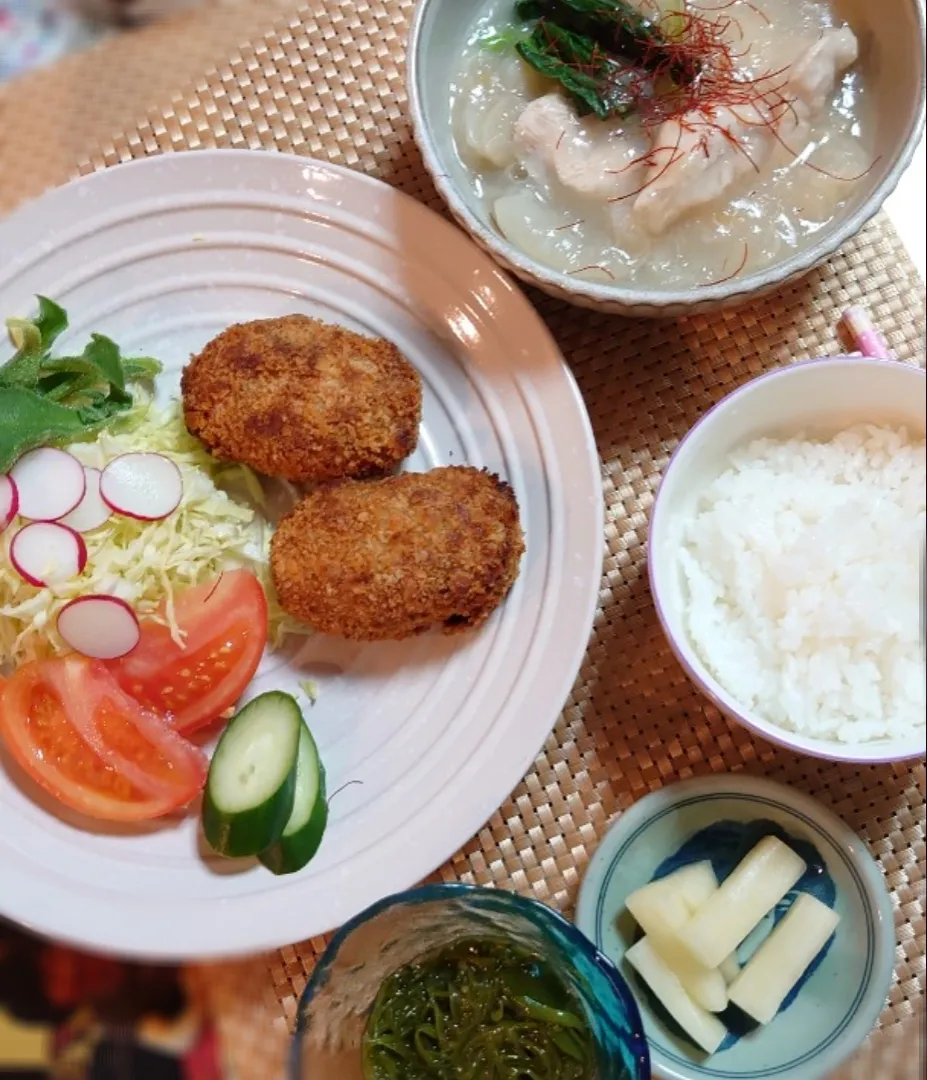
146 562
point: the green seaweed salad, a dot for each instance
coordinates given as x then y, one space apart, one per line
606 54
477 1010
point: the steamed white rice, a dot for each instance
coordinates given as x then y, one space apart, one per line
802 568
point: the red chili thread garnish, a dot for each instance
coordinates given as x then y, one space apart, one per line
699 43
731 3
594 266
729 277
648 159
747 3
824 172
738 145
758 11
571 225
845 179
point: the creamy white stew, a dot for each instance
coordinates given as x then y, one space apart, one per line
739 141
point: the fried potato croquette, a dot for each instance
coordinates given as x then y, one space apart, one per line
296 398
386 560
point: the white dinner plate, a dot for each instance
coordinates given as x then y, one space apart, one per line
162 254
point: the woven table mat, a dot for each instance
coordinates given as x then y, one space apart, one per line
327 81
52 116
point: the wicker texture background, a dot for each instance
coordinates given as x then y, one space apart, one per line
327 81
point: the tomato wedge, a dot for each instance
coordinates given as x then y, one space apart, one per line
72 728
225 628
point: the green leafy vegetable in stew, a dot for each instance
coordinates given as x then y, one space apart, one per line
617 28
477 1010
596 82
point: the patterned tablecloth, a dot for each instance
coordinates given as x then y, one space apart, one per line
326 80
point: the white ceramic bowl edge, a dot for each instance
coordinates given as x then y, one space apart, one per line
823 396
892 49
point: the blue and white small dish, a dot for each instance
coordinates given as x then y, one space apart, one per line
720 818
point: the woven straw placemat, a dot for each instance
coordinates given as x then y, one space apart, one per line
327 81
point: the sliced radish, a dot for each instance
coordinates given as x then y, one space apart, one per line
143 486
50 483
9 501
46 553
92 511
101 627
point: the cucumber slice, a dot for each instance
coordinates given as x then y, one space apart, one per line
252 777
303 832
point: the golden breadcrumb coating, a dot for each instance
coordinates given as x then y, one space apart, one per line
297 398
388 559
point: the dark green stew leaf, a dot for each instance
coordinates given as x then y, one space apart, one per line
617 28
596 82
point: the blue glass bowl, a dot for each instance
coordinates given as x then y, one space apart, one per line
334 1007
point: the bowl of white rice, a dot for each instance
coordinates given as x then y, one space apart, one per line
785 557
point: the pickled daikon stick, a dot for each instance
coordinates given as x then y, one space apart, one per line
729 968
675 897
661 909
705 1030
783 958
751 891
